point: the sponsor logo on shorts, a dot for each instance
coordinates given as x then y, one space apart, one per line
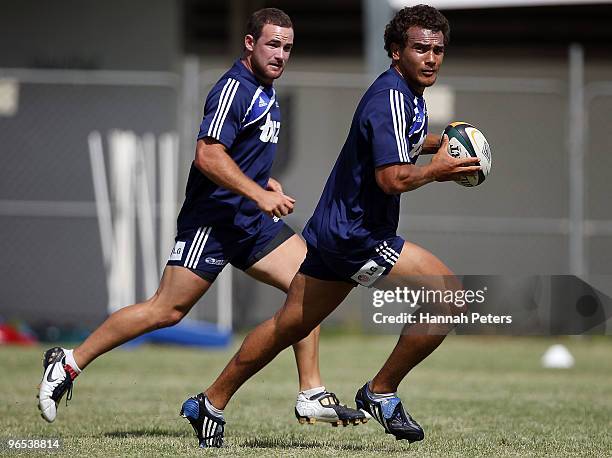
214 262
177 252
369 273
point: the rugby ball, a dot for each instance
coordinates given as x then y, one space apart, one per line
464 140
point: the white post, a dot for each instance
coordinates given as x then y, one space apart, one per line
104 212
577 252
225 299
103 207
150 162
114 288
168 177
146 220
123 145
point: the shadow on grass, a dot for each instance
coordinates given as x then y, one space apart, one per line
285 442
148 432
297 442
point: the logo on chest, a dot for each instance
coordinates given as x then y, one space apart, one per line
269 130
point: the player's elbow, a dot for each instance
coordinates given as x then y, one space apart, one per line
388 179
204 158
203 163
388 186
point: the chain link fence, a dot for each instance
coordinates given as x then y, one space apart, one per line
52 269
517 221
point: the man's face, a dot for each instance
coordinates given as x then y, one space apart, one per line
420 61
270 53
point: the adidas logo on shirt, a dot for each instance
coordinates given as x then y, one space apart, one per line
262 103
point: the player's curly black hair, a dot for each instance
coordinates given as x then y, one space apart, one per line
265 16
420 15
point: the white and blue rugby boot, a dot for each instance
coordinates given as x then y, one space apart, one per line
208 427
390 413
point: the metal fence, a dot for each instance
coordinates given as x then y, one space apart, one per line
53 267
545 208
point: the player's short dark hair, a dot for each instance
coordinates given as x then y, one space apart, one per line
423 16
265 16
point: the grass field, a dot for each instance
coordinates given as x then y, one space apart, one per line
475 396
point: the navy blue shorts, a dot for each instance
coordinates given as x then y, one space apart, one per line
364 269
206 250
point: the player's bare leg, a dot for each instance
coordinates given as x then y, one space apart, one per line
314 402
178 291
415 264
308 302
278 269
416 267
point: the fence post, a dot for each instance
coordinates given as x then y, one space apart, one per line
577 253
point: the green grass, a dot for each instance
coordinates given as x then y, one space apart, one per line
475 396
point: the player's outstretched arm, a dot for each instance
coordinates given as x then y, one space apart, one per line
398 178
213 160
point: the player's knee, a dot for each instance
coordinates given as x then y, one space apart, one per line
169 317
290 331
164 313
290 322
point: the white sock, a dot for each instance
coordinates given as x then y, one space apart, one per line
212 409
311 392
379 395
71 362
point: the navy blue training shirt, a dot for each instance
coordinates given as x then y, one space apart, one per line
389 127
244 116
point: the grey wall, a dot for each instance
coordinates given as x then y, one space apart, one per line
112 34
52 267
